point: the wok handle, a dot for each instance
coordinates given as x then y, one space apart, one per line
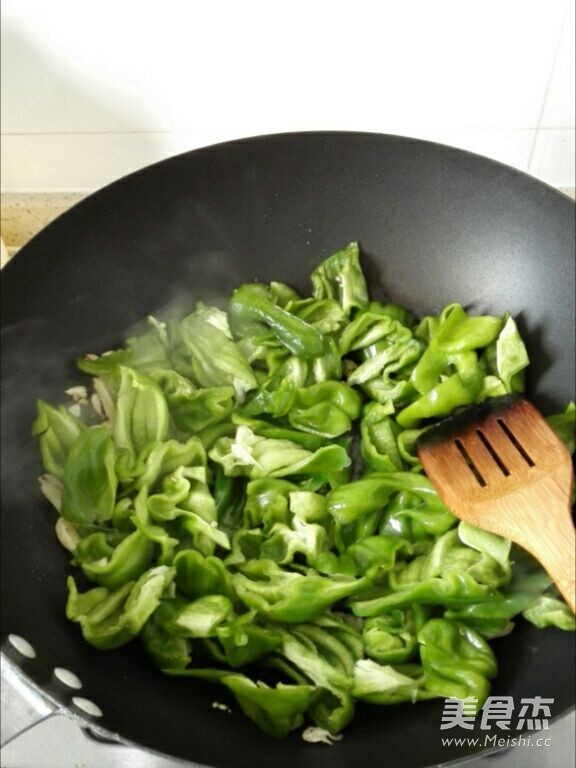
25 728
27 706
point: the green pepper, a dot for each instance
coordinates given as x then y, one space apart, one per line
246 546
348 502
266 429
326 315
511 357
491 618
254 456
326 409
206 536
326 660
215 359
57 431
201 617
161 459
375 551
191 409
289 597
564 424
198 576
230 511
252 310
415 517
340 277
142 416
548 611
159 536
459 332
451 339
276 711
111 619
229 500
113 567
175 490
267 502
391 638
452 590
283 294
167 651
283 542
187 488
379 684
242 641
457 390
386 358
145 352
308 506
379 438
457 662
89 479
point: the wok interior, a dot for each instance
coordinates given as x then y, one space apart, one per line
435 225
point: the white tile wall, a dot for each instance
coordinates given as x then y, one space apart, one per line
554 157
93 90
559 106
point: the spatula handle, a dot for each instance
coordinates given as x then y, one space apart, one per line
556 551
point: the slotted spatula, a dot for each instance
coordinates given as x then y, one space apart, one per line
500 466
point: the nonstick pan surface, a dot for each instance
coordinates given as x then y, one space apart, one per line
435 225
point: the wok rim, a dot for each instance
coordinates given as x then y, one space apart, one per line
116 739
264 137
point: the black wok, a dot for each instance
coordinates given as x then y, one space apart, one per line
435 224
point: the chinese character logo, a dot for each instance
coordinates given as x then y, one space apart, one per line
460 712
534 707
498 711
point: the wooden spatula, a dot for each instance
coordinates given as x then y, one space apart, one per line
500 466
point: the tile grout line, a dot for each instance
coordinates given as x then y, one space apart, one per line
563 25
201 131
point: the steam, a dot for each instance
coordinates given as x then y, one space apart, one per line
39 351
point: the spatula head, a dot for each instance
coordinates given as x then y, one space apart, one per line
494 452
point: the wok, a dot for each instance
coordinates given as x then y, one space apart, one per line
435 224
